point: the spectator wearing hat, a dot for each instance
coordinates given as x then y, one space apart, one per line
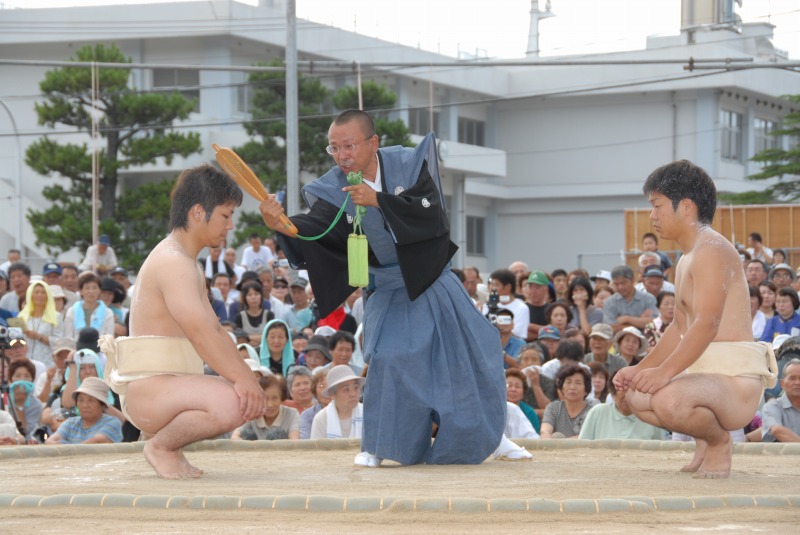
631 345
316 353
579 298
54 378
511 344
298 382
654 281
628 307
601 280
786 319
564 418
278 422
343 417
756 248
42 322
90 311
252 316
782 276
505 284
318 385
51 274
100 257
256 255
550 336
537 297
600 341
616 420
19 276
650 244
93 425
299 314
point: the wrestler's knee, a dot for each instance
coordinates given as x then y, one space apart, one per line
638 401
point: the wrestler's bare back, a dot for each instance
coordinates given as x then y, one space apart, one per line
150 315
722 261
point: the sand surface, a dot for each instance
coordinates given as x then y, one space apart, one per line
554 474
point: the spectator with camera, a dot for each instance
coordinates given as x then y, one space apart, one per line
93 425
503 286
54 379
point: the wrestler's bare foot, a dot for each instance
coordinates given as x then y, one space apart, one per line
717 464
188 469
167 464
699 455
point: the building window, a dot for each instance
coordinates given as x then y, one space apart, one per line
184 81
244 93
763 134
471 132
419 121
476 236
731 134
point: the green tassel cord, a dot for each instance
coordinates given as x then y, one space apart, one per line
357 246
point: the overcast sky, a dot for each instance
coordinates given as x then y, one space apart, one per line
500 28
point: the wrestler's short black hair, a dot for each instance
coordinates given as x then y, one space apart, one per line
367 124
338 336
681 180
791 294
505 277
573 368
204 185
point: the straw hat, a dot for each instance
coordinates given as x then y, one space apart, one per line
635 332
338 375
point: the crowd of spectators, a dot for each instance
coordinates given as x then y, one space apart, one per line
564 334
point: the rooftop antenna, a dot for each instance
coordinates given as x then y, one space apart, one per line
533 31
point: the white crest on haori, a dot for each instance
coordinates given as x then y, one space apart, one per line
426 203
398 190
349 219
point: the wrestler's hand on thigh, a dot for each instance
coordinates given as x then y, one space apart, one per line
252 402
623 378
650 380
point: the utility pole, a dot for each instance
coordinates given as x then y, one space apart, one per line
292 100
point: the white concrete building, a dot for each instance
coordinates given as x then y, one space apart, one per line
539 161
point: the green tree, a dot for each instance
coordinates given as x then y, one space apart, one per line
135 129
784 164
143 214
266 152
